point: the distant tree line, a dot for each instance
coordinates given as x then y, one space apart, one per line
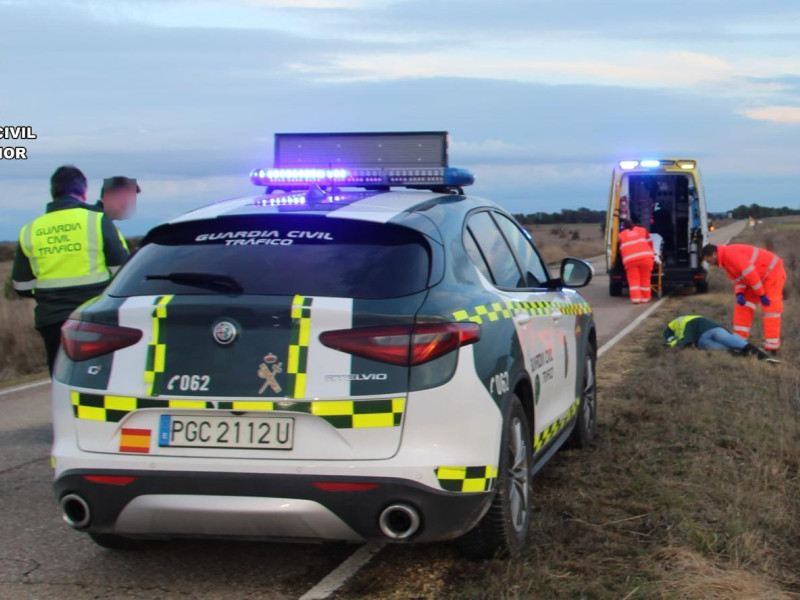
760 212
567 215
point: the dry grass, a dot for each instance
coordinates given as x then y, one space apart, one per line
556 241
22 348
692 490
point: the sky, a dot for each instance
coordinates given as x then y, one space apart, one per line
541 97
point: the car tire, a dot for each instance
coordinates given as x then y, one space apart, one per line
614 288
503 530
118 542
586 424
701 286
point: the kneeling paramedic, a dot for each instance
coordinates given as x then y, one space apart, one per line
758 277
65 257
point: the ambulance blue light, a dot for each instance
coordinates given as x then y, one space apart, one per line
629 164
649 164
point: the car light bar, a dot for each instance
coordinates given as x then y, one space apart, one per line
303 178
417 159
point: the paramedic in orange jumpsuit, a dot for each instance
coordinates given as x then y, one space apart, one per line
638 257
758 277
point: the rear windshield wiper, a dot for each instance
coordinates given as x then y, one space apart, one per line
201 280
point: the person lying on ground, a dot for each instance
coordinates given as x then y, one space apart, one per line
703 333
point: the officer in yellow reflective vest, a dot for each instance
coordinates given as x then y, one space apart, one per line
65 257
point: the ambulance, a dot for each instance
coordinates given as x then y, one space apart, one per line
666 197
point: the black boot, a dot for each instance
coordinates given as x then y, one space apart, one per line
755 351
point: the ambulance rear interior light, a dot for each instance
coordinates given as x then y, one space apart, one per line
289 179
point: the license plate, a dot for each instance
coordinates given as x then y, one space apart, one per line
259 433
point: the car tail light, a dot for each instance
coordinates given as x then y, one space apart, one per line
83 340
406 345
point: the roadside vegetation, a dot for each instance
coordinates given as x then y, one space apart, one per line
556 241
691 491
22 349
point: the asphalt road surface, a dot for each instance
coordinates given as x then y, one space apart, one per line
40 557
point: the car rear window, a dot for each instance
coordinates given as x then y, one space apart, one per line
278 255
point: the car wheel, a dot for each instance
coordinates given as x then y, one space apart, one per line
701 286
503 531
586 424
614 287
118 542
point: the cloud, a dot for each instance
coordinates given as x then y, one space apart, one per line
785 115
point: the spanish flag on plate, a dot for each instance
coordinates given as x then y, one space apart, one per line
134 440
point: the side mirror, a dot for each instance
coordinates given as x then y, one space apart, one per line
576 273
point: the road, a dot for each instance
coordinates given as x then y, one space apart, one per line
42 558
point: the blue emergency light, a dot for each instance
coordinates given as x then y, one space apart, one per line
366 160
651 163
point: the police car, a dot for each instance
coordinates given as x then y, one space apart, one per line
360 352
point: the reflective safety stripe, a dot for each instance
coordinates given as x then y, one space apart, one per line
749 305
341 414
741 328
156 349
630 243
755 255
24 285
758 286
299 341
771 266
556 426
745 273
771 315
497 311
630 257
467 479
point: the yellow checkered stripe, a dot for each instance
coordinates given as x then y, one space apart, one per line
342 414
299 340
112 409
496 311
156 349
467 479
551 431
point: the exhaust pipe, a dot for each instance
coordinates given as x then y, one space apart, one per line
75 511
399 521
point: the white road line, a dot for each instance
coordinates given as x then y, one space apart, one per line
339 576
631 326
21 388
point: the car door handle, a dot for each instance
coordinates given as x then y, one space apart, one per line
523 319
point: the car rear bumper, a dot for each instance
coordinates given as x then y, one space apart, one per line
261 506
